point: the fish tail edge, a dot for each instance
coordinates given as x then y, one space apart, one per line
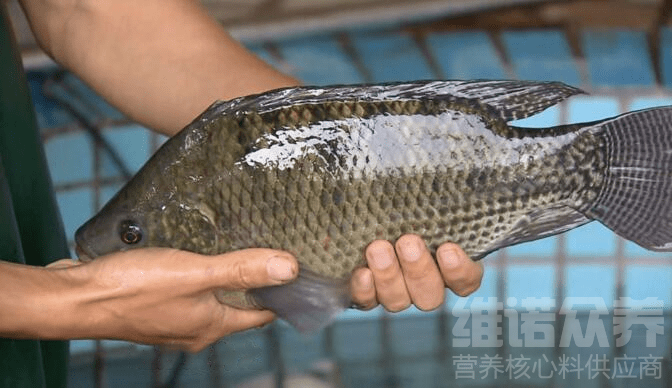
635 199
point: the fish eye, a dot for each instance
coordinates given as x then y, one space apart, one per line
130 232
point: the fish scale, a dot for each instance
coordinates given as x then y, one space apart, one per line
322 172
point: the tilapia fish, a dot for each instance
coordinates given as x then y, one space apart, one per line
323 171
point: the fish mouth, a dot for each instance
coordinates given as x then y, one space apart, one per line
83 255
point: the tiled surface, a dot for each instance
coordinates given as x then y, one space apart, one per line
593 280
319 61
133 145
392 57
618 58
76 205
465 55
541 55
615 60
666 55
70 158
534 281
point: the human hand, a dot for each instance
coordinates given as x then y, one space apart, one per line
165 296
407 274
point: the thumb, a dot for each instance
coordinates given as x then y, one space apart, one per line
254 268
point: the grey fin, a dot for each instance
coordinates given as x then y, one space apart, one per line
512 99
635 199
538 224
309 303
517 99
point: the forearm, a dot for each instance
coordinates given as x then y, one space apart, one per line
35 302
162 62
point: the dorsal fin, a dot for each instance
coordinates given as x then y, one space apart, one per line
517 99
511 99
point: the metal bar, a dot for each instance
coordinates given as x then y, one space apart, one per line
420 41
91 128
275 355
177 370
495 37
573 34
156 367
214 367
99 366
346 45
387 359
88 184
653 38
49 133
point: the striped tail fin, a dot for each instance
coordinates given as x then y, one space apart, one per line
635 200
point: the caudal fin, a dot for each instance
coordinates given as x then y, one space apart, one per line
309 303
635 200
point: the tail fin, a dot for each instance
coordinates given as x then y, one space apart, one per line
635 200
309 303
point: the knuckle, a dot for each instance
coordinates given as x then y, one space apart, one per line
365 306
467 290
429 305
429 297
397 306
243 277
462 292
388 278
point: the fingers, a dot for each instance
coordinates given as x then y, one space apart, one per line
232 320
409 274
461 274
423 279
388 278
253 268
362 289
239 320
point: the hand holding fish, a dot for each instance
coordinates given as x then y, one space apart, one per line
165 296
414 278
155 296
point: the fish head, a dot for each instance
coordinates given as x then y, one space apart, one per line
155 209
172 225
121 225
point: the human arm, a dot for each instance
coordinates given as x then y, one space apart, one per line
163 296
162 62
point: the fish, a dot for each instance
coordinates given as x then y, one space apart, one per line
322 171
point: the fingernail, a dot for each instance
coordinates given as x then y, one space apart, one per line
448 257
280 268
366 281
380 258
411 250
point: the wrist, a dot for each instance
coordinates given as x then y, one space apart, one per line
39 302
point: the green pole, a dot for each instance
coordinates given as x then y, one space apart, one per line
20 360
42 237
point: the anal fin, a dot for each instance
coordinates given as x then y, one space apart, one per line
309 303
538 224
